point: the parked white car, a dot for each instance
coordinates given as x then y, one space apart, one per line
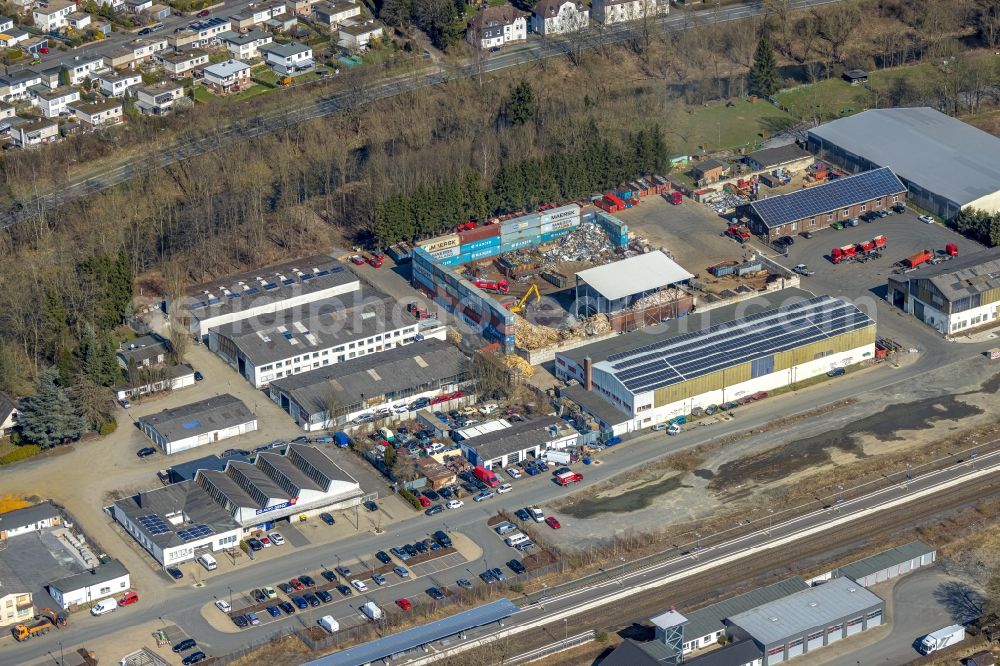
536 514
505 488
436 447
359 586
926 218
673 429
276 539
659 426
454 504
223 605
513 473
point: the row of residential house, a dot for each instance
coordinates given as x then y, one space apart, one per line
494 27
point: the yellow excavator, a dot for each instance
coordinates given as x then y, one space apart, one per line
519 306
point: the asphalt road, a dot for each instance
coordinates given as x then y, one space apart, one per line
535 49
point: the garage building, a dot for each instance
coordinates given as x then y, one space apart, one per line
807 620
263 291
885 565
109 579
199 423
819 206
336 394
946 164
616 286
715 357
788 158
519 442
954 297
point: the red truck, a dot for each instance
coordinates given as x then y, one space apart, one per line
674 197
951 250
566 478
876 244
738 233
920 257
843 253
486 476
496 286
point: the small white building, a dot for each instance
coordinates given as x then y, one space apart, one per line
114 84
288 59
619 11
8 413
108 580
510 443
153 380
80 67
209 30
12 37
334 14
54 103
179 64
99 113
495 26
198 423
6 24
78 20
52 16
36 133
29 519
245 46
559 17
228 77
357 37
7 111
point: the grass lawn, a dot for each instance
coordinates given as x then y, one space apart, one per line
712 127
202 95
828 99
988 121
265 75
252 91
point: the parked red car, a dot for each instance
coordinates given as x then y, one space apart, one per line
357 260
129 599
296 584
44 50
424 502
552 522
404 604
203 13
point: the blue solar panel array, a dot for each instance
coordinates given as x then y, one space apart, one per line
305 277
195 532
691 355
832 196
154 525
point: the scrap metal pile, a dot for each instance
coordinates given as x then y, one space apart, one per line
587 243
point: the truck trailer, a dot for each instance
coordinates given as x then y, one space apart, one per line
558 457
942 638
915 260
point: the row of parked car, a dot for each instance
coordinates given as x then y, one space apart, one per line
403 408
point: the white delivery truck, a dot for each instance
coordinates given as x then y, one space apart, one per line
104 606
942 638
372 612
557 457
329 623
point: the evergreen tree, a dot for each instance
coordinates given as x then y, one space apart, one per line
48 417
522 105
64 79
764 73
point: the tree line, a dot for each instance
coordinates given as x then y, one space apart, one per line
596 164
979 225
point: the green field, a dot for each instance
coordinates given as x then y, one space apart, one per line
713 127
824 100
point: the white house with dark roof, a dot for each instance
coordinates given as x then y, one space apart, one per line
334 14
180 63
35 133
115 84
559 17
246 46
358 36
159 98
198 423
111 579
288 59
54 103
99 113
16 86
82 66
29 519
620 11
493 27
52 16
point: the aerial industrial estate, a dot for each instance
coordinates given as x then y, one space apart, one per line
748 402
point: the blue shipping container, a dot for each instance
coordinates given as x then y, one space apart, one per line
553 235
625 194
479 254
493 241
517 245
452 261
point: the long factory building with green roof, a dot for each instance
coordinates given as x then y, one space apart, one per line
725 354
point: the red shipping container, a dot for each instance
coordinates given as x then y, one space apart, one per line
472 314
479 233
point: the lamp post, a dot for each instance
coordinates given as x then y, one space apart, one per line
770 515
230 597
621 580
566 627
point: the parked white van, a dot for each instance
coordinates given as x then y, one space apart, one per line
329 623
104 606
514 539
208 562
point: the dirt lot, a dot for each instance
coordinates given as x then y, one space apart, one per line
824 455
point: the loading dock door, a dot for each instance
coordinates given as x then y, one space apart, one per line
815 641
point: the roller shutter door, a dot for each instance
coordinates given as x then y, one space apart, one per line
927 559
854 626
874 619
894 570
775 655
795 648
834 633
815 641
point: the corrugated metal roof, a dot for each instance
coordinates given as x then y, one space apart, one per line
939 153
885 559
734 654
634 275
826 198
798 613
417 636
633 653
708 620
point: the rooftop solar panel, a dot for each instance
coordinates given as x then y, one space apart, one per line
826 198
270 285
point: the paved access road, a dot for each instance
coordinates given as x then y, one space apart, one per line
537 49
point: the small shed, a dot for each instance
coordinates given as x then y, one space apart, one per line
855 76
438 476
984 658
708 171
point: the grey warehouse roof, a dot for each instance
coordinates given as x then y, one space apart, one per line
150 509
828 197
633 653
885 559
393 370
518 437
267 285
29 515
708 620
419 635
188 470
644 272
774 157
962 277
102 574
939 153
797 613
679 358
317 325
223 411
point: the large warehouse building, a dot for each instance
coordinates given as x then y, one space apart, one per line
218 508
314 335
820 206
947 165
955 297
392 381
717 356
264 291
519 441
